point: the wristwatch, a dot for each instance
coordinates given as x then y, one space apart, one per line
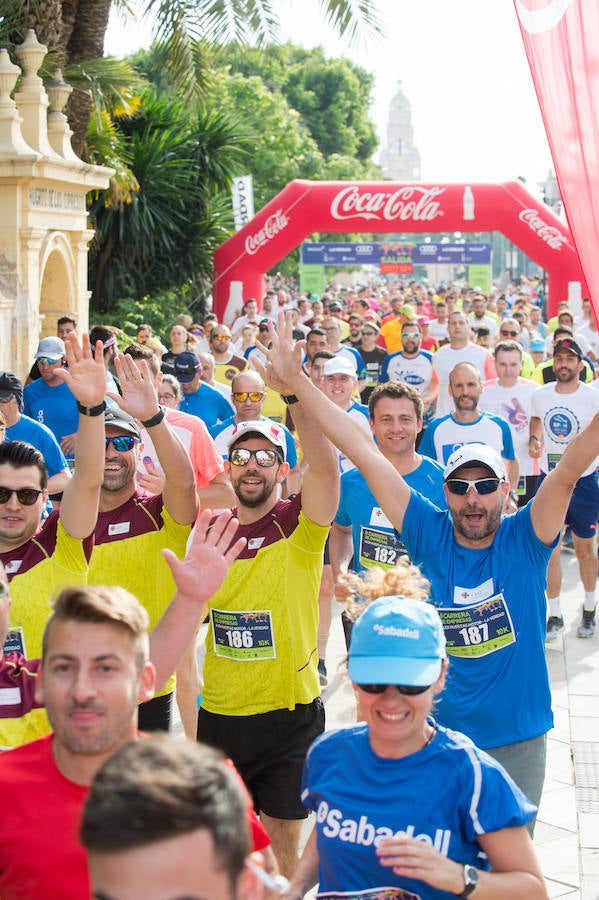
471 874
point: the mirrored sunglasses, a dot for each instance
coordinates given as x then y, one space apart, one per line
47 361
461 486
240 456
122 442
242 396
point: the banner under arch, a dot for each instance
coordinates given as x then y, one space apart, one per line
305 207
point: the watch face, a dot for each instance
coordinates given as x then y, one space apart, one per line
470 879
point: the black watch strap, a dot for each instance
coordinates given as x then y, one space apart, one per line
156 419
471 874
289 399
92 410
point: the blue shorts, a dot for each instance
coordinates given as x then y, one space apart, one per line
583 511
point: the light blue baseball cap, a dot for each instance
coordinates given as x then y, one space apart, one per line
397 640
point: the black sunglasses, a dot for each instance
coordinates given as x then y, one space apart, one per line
409 690
122 442
25 496
461 486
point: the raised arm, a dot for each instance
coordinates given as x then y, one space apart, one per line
86 378
386 484
198 576
550 504
139 399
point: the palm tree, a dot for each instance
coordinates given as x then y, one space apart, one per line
74 31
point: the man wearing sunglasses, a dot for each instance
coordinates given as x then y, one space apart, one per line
21 428
134 527
414 365
261 701
227 362
49 399
248 395
41 557
487 574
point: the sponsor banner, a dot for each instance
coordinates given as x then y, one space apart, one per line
312 279
561 38
394 254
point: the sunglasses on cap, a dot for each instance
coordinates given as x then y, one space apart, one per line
240 456
47 361
25 496
461 486
242 396
122 442
408 690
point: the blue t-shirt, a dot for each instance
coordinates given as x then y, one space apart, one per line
222 431
207 404
55 407
376 543
492 603
42 438
445 434
446 794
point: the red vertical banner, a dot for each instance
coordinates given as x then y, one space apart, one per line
561 38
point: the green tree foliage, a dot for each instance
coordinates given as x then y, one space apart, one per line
165 231
332 96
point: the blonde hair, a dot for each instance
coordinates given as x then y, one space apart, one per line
404 579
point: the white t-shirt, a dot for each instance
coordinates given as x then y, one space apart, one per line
514 405
563 416
446 358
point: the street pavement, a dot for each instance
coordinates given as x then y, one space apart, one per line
567 831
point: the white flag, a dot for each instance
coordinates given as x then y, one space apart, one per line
243 200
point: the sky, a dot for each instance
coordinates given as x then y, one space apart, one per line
462 66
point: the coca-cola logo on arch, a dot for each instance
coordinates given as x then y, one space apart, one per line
420 204
273 225
548 233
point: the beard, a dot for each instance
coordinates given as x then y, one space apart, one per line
488 525
252 500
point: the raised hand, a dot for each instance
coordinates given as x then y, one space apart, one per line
139 397
85 375
212 550
284 356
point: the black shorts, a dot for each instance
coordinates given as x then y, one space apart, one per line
155 715
268 750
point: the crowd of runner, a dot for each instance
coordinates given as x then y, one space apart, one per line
350 436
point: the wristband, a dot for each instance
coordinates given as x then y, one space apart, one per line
514 497
533 437
91 411
288 399
156 419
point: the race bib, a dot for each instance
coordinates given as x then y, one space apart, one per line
552 460
15 641
478 630
380 548
243 635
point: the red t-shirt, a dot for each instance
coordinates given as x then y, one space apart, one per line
40 853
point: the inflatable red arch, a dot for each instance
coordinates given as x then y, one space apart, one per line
305 207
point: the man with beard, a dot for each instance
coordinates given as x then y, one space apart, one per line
468 424
261 702
560 410
487 575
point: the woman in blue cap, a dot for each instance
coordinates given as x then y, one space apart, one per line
405 808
